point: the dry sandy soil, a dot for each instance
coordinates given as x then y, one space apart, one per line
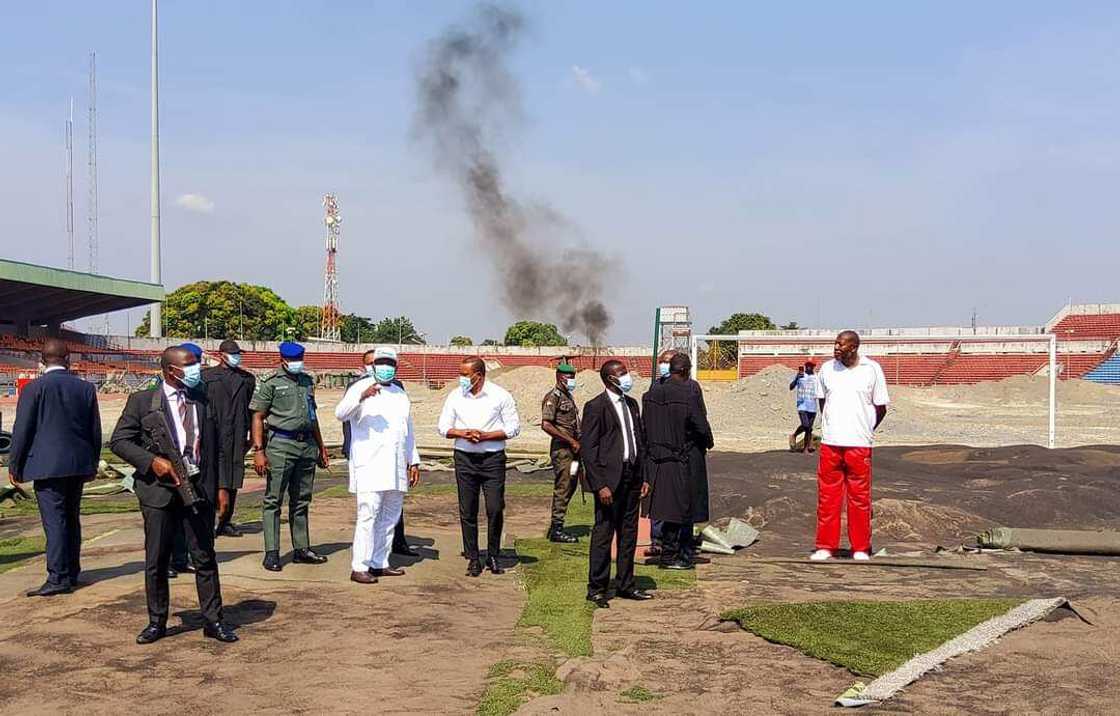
758 413
314 643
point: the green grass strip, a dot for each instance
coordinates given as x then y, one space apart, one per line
867 638
638 695
510 684
14 551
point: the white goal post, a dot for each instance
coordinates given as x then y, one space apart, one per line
1049 338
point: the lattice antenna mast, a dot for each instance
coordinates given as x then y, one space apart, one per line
91 201
329 329
70 188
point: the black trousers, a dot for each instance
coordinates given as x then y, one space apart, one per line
481 472
160 524
60 501
618 518
677 541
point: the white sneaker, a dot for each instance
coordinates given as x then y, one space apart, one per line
820 555
861 556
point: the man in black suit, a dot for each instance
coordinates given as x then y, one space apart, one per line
56 443
188 418
612 451
229 389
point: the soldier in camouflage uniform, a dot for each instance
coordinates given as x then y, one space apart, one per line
560 420
284 406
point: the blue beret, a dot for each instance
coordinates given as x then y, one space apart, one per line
291 351
193 348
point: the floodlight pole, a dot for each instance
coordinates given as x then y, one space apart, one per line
156 321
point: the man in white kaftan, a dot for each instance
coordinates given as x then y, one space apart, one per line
384 461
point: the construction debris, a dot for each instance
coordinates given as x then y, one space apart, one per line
1102 542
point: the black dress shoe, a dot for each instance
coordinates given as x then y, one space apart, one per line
599 600
220 632
49 589
403 550
227 529
474 568
557 534
187 568
677 564
386 572
635 594
151 633
493 566
272 561
307 556
172 573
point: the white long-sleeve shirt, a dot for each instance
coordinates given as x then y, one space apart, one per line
492 409
382 439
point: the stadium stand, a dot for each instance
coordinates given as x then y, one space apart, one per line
1078 327
1108 371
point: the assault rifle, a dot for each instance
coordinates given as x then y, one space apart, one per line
156 426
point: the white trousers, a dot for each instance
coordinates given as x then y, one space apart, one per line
378 514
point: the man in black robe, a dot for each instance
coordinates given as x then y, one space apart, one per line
678 436
229 389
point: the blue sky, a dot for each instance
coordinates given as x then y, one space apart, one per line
873 163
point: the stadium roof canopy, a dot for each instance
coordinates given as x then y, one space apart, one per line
40 295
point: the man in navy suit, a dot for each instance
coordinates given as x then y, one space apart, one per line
56 443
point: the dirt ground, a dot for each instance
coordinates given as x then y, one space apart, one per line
313 642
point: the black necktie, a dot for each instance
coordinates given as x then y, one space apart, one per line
627 422
190 436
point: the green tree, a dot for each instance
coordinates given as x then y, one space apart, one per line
356 329
223 309
397 330
307 322
723 354
462 341
533 333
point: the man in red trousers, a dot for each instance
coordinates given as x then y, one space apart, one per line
853 398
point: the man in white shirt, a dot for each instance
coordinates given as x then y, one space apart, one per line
480 417
383 461
852 391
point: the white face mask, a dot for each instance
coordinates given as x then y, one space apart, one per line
625 382
233 359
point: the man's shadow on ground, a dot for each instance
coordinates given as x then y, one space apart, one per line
247 611
102 574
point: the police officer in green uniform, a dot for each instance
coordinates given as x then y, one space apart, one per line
285 420
560 420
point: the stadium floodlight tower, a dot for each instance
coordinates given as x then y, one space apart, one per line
672 329
329 329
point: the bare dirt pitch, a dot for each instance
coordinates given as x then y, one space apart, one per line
314 643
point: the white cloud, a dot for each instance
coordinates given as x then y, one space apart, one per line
638 76
585 80
196 203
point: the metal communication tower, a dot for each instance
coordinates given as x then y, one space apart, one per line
328 321
70 188
91 207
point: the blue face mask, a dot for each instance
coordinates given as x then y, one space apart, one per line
384 373
192 375
625 383
571 384
663 369
294 367
464 383
233 359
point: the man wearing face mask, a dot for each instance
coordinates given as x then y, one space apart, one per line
480 417
383 461
560 420
230 388
284 410
177 408
613 451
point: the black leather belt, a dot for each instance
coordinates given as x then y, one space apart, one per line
301 435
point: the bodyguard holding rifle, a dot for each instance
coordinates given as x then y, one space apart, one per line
168 434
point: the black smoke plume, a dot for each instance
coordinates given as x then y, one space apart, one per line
468 100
